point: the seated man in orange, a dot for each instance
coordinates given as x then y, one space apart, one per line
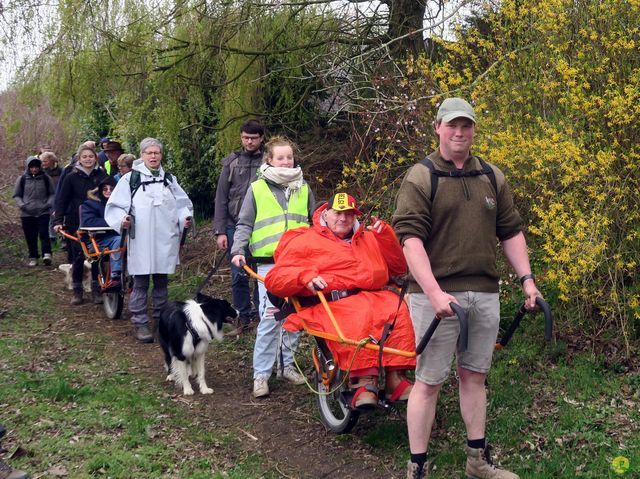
352 266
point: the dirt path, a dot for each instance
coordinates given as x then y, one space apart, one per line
283 428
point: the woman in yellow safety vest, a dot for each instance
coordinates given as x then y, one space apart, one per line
279 200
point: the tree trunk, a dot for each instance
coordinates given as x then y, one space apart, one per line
405 17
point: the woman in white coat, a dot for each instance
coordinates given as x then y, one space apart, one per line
151 203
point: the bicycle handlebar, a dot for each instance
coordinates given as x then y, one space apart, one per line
463 338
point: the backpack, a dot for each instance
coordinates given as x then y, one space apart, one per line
135 183
435 174
46 183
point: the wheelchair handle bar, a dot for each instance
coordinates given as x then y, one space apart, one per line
548 322
463 338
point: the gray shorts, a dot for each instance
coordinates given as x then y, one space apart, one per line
483 313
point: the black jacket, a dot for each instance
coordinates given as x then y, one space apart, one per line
73 193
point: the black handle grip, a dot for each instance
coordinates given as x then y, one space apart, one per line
548 318
548 322
463 338
513 326
464 330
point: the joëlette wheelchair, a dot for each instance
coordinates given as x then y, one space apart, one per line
331 380
112 297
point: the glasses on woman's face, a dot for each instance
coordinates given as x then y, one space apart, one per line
107 188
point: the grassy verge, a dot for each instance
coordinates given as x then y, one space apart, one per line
73 408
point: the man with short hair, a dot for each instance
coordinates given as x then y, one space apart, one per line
449 227
113 150
238 172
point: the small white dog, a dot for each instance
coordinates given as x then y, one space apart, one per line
86 277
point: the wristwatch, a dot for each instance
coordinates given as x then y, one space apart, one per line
526 277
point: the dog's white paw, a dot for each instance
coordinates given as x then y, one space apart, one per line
206 390
169 378
187 392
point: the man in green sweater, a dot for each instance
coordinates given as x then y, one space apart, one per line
449 226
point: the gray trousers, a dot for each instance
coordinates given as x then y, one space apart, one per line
138 298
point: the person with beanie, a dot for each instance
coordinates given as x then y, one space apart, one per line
33 193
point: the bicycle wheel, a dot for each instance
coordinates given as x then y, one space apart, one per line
334 414
113 303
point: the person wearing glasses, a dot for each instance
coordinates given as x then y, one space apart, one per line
153 206
92 216
239 170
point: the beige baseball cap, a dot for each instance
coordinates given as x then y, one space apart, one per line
453 108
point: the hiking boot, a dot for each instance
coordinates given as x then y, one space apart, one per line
32 262
260 387
46 259
96 292
142 333
291 374
414 471
7 472
77 297
480 466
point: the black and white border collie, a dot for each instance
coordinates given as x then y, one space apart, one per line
185 330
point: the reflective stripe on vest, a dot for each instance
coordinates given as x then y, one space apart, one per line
271 220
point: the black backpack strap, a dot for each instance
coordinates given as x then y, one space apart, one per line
487 170
134 182
435 174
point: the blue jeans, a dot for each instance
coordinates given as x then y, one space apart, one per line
111 242
240 290
271 339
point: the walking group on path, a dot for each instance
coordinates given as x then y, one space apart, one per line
450 210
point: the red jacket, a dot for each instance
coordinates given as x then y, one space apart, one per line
366 263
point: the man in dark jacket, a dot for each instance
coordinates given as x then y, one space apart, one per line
238 171
33 194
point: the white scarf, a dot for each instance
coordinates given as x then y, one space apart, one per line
290 178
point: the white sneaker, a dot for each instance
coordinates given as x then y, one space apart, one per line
260 387
47 259
291 374
32 262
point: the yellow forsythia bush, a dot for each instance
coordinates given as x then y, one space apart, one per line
556 87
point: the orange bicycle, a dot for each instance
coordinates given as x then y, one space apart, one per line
113 297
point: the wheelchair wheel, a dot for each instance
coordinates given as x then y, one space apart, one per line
334 414
113 303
